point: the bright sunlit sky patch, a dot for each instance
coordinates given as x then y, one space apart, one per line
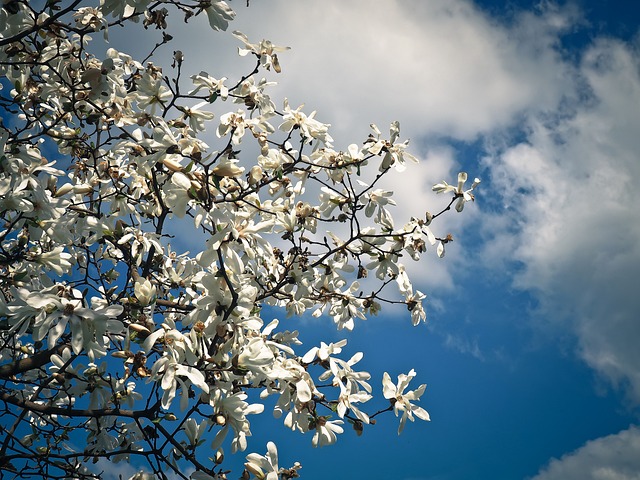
531 352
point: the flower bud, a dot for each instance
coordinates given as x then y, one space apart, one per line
82 189
172 164
122 354
145 292
429 217
140 329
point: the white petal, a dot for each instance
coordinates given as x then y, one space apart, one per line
195 375
388 388
179 179
421 413
150 341
310 355
304 392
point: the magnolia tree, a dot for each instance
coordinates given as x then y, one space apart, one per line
117 346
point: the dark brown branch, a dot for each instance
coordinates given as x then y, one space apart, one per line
31 363
181 448
71 412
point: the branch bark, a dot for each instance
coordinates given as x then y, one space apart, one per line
31 363
71 412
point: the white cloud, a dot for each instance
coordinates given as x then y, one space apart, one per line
441 67
570 189
614 457
115 471
464 345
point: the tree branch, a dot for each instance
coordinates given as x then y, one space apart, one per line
71 412
31 363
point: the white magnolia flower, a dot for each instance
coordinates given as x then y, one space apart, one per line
348 399
384 264
88 326
253 95
235 409
344 374
265 50
171 374
123 8
264 467
194 431
377 198
215 86
227 167
177 194
272 159
57 260
233 122
145 292
151 93
90 16
393 154
415 306
256 356
141 243
402 401
219 14
196 117
310 128
324 351
462 195
326 431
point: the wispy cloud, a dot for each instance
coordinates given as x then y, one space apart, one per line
440 67
115 471
569 189
614 457
464 345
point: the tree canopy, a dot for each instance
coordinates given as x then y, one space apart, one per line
119 344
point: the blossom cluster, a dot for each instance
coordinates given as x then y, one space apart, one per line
104 310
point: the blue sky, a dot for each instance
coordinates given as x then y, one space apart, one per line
531 351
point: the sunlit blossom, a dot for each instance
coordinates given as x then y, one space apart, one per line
264 467
462 195
401 401
327 432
